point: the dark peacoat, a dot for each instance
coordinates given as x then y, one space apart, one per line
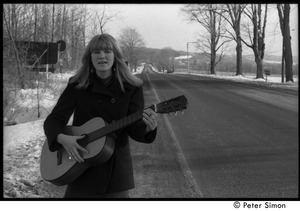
109 102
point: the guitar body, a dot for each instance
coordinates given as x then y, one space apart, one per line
100 150
57 168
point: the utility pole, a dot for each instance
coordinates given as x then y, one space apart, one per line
187 56
282 62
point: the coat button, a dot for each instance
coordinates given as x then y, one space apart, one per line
113 100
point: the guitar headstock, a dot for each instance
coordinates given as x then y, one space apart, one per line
172 105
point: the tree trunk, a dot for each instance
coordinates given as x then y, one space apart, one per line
287 56
73 42
213 63
35 22
288 61
212 50
20 73
239 57
52 31
259 67
287 44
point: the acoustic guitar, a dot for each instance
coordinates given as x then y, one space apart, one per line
57 167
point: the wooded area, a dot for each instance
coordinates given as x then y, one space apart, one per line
76 24
248 25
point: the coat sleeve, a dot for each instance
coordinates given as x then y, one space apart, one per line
137 130
59 117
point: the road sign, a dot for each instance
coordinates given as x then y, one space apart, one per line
61 45
40 52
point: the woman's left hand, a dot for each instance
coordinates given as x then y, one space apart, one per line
149 117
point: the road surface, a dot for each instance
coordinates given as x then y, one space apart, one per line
239 141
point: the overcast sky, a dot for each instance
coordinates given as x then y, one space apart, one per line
161 25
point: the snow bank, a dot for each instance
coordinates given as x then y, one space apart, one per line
21 175
271 81
28 103
22 133
23 143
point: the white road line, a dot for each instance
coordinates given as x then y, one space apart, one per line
182 161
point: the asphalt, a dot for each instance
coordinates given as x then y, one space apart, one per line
238 141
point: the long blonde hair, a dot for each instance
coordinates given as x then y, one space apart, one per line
122 72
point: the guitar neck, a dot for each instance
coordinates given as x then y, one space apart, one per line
172 105
124 122
116 125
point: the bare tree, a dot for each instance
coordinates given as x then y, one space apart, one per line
75 26
44 23
208 15
35 22
39 23
100 19
233 14
284 20
131 40
258 20
10 28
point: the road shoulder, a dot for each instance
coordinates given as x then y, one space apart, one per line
157 169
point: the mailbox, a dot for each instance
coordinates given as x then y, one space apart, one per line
267 72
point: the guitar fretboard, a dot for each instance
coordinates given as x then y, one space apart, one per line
175 104
114 126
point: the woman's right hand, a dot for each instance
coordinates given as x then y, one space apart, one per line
71 146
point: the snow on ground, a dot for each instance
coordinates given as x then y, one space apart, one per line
25 107
23 142
271 81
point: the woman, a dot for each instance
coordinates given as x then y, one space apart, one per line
103 87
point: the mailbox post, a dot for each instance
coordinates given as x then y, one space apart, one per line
267 72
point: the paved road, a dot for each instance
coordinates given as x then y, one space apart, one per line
238 140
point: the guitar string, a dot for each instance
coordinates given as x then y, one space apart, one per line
114 126
129 119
